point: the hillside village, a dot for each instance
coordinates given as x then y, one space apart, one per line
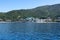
50 13
32 19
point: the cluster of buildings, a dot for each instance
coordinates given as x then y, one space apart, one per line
57 19
8 20
36 20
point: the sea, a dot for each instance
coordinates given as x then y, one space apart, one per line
29 31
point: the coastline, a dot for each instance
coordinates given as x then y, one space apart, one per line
26 22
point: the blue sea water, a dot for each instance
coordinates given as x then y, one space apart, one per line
29 31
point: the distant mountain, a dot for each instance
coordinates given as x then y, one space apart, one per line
52 11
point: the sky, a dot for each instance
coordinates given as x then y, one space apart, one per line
8 5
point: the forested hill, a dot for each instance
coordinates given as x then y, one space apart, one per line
52 11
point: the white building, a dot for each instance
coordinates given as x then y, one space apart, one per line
57 19
30 19
1 19
40 20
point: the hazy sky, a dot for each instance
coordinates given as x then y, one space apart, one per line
7 5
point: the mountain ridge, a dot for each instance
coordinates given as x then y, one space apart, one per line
40 12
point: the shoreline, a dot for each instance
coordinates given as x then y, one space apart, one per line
26 22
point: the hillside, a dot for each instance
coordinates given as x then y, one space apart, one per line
52 11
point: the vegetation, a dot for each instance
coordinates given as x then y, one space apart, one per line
52 11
